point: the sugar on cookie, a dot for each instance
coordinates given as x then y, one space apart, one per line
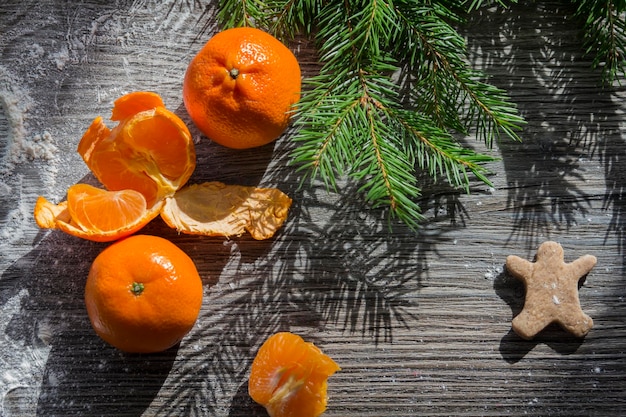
551 291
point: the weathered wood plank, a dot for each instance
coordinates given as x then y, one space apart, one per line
420 323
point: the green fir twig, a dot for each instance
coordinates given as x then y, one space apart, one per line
604 30
393 93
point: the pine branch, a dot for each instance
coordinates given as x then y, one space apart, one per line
445 80
355 117
477 4
293 17
604 29
242 13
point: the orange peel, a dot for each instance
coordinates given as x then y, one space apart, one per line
216 209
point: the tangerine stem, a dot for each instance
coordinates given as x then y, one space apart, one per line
137 288
234 72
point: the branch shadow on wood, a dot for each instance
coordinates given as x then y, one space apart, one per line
534 51
244 406
334 266
612 149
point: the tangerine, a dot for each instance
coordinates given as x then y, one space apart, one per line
150 150
289 377
96 214
240 88
143 294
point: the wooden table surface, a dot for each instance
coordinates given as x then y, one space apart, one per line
420 323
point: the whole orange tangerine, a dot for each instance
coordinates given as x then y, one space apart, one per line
240 88
143 294
289 377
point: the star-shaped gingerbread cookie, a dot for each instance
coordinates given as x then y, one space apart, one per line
551 291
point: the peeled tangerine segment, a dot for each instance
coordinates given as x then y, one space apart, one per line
289 377
150 150
96 214
217 209
99 210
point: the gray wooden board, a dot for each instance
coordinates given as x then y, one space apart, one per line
419 323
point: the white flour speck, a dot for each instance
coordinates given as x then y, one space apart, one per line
21 366
61 58
26 158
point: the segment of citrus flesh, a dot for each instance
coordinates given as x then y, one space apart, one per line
95 214
216 209
289 377
130 104
99 210
151 149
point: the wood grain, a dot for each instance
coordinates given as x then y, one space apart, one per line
419 322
